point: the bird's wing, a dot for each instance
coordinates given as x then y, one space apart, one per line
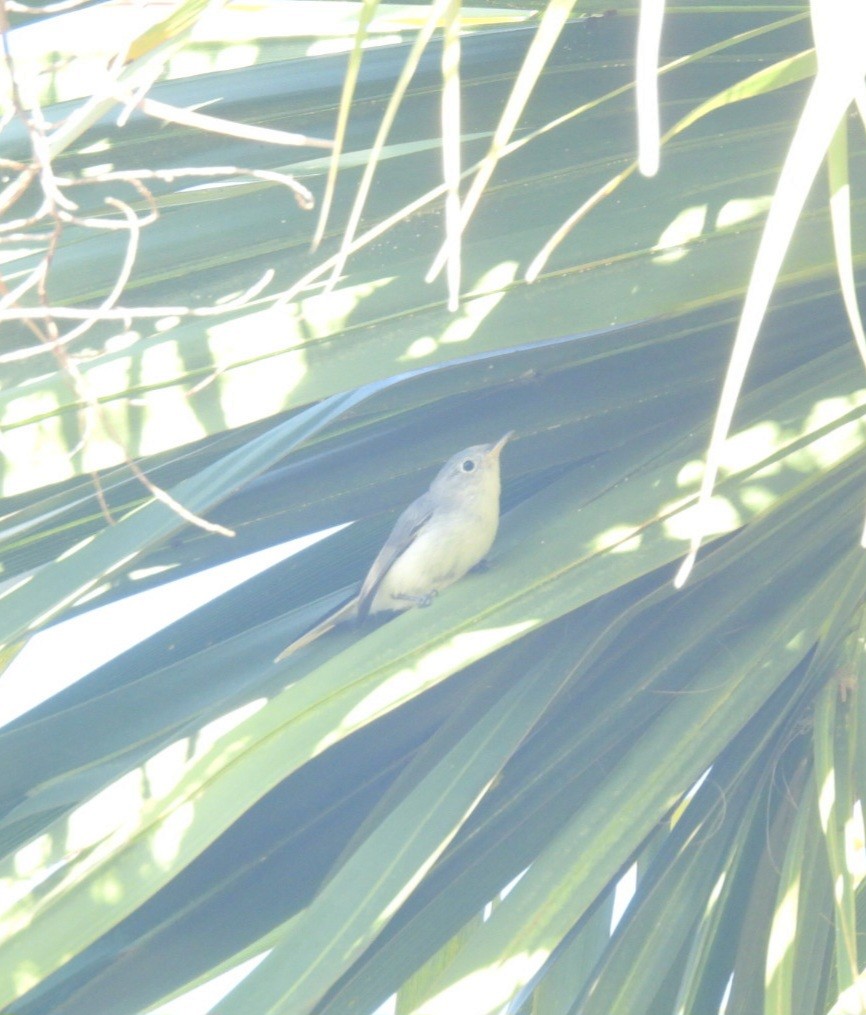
404 533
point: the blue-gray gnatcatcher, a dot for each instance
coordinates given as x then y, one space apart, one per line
438 538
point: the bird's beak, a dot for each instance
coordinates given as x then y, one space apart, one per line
500 444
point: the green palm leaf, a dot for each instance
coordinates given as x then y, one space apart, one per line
342 821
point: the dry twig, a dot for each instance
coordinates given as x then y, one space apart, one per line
57 209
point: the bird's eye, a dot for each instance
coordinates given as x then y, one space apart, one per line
468 465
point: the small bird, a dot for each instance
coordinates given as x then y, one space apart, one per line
443 534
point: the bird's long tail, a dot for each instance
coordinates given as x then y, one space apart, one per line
348 611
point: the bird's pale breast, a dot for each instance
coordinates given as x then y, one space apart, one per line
441 554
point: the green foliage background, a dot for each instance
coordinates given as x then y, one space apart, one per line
350 813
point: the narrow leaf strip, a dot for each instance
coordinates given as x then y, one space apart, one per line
825 107
649 38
